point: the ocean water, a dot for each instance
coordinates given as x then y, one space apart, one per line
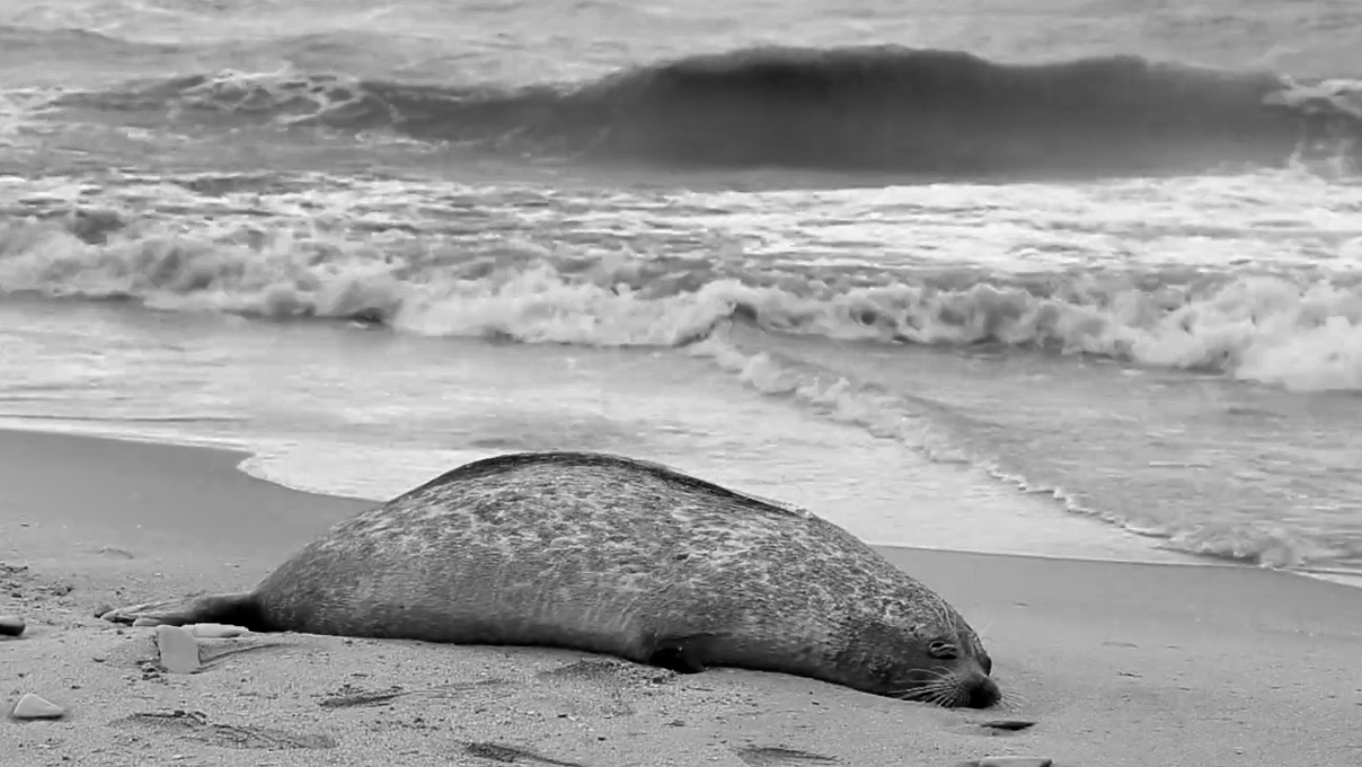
1055 278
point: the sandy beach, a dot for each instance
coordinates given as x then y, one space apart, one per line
1118 664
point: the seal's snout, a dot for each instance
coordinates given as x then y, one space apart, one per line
982 692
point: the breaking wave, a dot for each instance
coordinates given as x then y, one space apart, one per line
881 108
1300 333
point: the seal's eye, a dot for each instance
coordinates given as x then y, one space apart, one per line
942 650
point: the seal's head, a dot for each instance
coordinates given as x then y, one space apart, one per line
937 660
948 670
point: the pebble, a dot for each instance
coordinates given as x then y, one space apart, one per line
1013 725
33 707
217 630
178 648
1015 761
11 625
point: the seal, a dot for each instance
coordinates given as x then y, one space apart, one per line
618 556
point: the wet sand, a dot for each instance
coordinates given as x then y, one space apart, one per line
1118 664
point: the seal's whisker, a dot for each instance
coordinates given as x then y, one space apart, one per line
945 615
1013 699
944 687
920 691
930 697
918 694
946 697
928 685
983 632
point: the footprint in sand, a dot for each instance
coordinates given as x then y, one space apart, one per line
195 726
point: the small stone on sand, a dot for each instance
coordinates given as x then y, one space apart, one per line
11 625
217 630
1012 725
144 622
179 650
1015 761
33 707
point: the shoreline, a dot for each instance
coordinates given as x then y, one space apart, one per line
1119 664
1157 557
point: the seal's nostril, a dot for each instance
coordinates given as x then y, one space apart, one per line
984 693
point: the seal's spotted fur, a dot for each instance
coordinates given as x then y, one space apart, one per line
620 556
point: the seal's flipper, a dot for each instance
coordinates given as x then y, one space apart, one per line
682 654
233 609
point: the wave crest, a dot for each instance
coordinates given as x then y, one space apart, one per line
1304 334
872 108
